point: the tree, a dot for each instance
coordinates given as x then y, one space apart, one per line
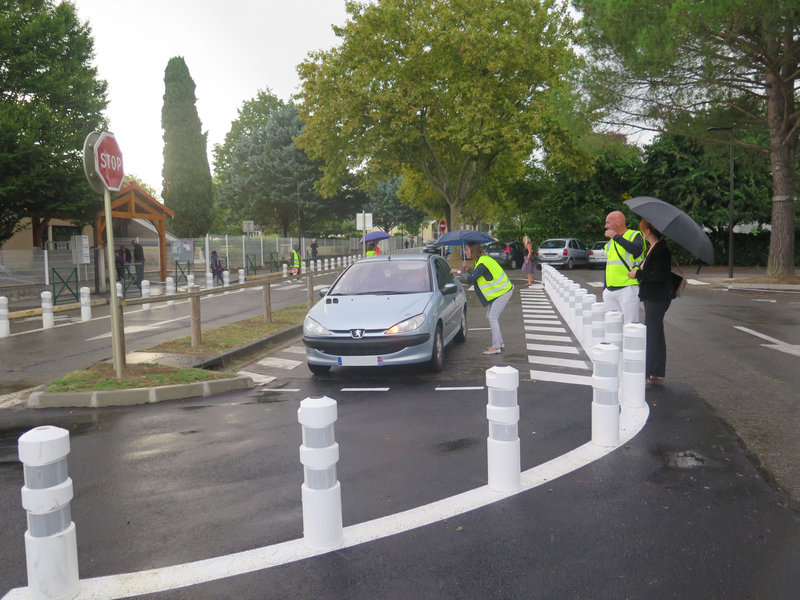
388 211
187 178
674 60
50 99
439 88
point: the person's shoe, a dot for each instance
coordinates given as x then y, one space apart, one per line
502 346
656 380
492 351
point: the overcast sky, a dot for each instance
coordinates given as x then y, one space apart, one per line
233 48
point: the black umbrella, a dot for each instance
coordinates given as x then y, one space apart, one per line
675 224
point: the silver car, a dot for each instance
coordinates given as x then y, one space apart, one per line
563 252
387 310
597 254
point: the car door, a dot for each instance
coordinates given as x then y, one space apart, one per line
450 310
584 252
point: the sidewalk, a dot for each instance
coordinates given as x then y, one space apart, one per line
718 276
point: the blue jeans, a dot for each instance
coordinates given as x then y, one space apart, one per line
493 311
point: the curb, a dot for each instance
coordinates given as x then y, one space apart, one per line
226 358
37 312
763 286
130 397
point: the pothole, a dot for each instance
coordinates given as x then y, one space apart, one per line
688 459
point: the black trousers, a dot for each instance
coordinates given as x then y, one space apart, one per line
656 342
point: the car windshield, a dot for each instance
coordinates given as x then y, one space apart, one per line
553 244
599 245
384 277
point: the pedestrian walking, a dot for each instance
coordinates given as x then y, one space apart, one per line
314 248
528 267
217 267
296 257
371 249
126 255
624 252
138 260
492 286
656 291
119 264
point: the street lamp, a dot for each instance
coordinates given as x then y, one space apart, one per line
730 222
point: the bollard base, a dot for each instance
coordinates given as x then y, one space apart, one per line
632 390
504 465
53 566
605 424
322 518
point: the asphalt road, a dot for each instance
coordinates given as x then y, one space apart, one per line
681 511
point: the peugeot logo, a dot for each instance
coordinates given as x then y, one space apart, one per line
357 333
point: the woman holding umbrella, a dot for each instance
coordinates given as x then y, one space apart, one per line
655 290
493 288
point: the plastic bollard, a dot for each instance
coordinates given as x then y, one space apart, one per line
86 305
145 293
321 491
605 395
502 445
119 289
586 332
598 323
572 290
209 281
634 355
319 265
241 276
577 315
48 322
614 321
170 290
226 279
285 270
339 261
51 548
327 264
189 282
303 268
5 327
313 265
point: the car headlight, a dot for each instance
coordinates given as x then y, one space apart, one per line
311 326
407 325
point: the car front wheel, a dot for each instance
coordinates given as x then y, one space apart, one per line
436 363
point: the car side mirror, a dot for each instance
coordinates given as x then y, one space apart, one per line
449 288
323 291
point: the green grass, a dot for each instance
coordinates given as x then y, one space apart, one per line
101 377
235 335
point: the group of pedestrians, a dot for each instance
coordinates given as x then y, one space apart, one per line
123 256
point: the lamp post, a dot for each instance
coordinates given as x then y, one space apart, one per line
730 222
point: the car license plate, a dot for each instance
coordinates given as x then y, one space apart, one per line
360 361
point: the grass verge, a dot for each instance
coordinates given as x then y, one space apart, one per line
235 335
101 377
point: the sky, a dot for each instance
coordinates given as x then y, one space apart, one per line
233 48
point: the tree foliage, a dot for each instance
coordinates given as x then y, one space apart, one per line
50 99
187 187
388 211
672 61
442 89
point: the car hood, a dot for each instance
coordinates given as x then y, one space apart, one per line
368 312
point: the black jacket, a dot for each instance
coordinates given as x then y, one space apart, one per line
655 281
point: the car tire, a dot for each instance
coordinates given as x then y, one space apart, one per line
513 264
570 264
319 369
461 336
436 363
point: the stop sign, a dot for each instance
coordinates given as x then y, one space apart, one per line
442 225
108 161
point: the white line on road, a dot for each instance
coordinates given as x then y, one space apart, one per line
139 328
365 389
595 283
257 378
279 363
761 335
553 321
458 389
545 329
480 328
777 344
561 377
551 348
558 362
547 338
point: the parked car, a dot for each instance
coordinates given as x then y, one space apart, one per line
431 249
507 254
597 254
387 310
563 252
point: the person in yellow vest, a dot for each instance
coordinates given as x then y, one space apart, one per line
492 286
624 251
296 258
371 249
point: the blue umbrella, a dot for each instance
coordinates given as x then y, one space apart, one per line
375 236
463 237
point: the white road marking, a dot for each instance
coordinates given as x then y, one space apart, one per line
545 329
696 282
282 390
291 287
140 328
555 321
762 300
9 400
547 338
538 311
458 389
551 348
761 335
776 344
595 283
295 350
561 378
257 378
480 328
153 581
788 349
365 389
558 362
279 363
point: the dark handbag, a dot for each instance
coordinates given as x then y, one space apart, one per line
678 283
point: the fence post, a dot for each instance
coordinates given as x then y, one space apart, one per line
86 305
321 491
121 335
502 446
47 310
5 328
605 395
170 290
267 304
46 269
51 547
145 293
194 304
310 288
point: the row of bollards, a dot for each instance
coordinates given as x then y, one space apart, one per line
618 352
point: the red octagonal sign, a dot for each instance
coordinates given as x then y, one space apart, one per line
108 161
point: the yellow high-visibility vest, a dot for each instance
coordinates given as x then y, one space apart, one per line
616 271
499 284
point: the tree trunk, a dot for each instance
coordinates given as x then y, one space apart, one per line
783 156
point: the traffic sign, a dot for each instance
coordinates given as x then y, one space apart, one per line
294 270
442 225
108 161
89 167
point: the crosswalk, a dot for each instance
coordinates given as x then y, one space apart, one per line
554 355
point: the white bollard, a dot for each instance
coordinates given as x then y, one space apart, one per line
5 328
189 282
572 290
51 548
614 321
86 305
303 268
598 323
313 265
586 333
145 293
321 491
226 279
48 322
170 290
565 300
605 395
577 315
119 289
209 281
241 276
319 265
502 446
285 270
338 261
327 265
634 354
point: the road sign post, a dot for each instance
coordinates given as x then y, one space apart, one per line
102 163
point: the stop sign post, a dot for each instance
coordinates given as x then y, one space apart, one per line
102 163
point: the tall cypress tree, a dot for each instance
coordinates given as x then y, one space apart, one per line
187 178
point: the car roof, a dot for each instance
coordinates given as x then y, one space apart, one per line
401 257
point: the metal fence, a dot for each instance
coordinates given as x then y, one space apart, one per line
34 267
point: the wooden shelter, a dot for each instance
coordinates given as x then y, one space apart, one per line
132 202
